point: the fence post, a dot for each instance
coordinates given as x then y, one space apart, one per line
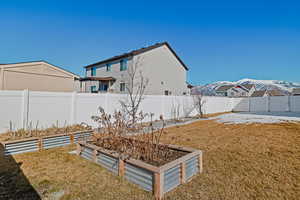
249 104
268 103
73 108
289 103
25 109
106 102
163 106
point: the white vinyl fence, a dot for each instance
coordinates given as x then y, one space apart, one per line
268 104
23 109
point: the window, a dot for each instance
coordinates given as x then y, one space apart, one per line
108 67
166 92
93 71
123 65
103 87
93 88
122 87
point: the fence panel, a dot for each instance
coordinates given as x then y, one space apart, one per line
11 110
259 104
295 103
240 104
47 109
279 104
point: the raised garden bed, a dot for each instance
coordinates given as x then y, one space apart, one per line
157 179
45 142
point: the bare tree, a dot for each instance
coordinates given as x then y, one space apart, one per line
135 86
199 102
175 111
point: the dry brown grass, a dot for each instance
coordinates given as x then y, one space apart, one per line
256 161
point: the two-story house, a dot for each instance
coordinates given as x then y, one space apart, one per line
158 63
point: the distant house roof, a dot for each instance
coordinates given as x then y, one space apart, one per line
248 86
260 93
296 91
39 62
275 93
137 52
224 88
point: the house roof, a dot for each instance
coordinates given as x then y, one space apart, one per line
137 52
248 86
224 88
40 61
259 93
275 93
296 91
97 79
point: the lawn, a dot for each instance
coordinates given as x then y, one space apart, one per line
244 161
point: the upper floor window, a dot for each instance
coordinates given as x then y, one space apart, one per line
123 65
93 71
108 67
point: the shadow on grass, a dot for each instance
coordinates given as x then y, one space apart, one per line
13 183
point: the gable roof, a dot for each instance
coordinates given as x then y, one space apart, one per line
259 93
38 62
248 86
137 52
224 88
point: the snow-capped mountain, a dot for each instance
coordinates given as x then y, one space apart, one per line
283 86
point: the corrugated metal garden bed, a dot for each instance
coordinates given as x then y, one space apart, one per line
45 142
158 180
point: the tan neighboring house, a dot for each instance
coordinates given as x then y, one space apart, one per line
37 76
158 63
244 90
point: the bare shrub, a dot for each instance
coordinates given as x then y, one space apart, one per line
175 111
142 142
199 103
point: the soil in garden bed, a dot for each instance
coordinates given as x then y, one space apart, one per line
147 152
21 134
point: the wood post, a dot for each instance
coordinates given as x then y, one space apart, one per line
158 186
72 138
121 167
95 153
40 144
200 163
78 149
182 173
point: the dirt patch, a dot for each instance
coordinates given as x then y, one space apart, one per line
132 148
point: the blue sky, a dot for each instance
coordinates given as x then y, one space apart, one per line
218 40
